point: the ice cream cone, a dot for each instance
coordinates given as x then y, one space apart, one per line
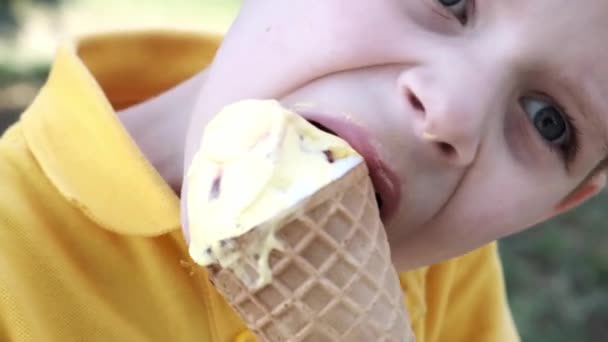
334 280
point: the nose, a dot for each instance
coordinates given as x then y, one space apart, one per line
449 115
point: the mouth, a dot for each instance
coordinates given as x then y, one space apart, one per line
379 200
385 180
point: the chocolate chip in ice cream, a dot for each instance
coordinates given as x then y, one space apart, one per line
215 187
329 155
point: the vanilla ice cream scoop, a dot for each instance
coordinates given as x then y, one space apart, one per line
257 162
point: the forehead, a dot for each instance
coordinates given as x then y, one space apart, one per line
562 37
578 28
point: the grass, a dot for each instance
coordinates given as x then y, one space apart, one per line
557 276
33 75
42 27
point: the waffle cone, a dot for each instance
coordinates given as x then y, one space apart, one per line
334 281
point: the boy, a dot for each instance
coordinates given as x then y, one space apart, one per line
483 117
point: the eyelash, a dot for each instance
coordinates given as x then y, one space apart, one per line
569 150
445 12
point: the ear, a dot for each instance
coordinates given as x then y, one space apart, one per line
584 192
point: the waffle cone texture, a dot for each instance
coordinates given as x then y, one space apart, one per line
334 281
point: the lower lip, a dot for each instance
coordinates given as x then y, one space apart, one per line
385 180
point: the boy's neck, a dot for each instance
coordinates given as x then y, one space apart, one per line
159 126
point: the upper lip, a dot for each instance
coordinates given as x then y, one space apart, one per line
386 182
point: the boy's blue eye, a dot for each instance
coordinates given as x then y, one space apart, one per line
450 3
457 7
552 125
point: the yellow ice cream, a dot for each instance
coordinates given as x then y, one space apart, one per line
256 163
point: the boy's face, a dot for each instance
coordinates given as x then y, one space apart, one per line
481 117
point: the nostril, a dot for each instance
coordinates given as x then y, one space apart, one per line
446 149
415 101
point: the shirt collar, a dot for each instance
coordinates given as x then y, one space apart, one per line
72 130
414 291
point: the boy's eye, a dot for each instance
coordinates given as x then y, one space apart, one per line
547 119
458 8
552 124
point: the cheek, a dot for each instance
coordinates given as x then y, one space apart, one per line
515 183
276 46
507 200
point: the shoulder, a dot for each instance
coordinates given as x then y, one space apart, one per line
29 203
475 276
466 298
19 199
17 171
20 175
22 211
483 260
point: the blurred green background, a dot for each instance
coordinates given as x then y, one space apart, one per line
557 273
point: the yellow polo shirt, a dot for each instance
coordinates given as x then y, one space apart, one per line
90 241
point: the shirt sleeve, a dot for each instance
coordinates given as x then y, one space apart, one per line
473 306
